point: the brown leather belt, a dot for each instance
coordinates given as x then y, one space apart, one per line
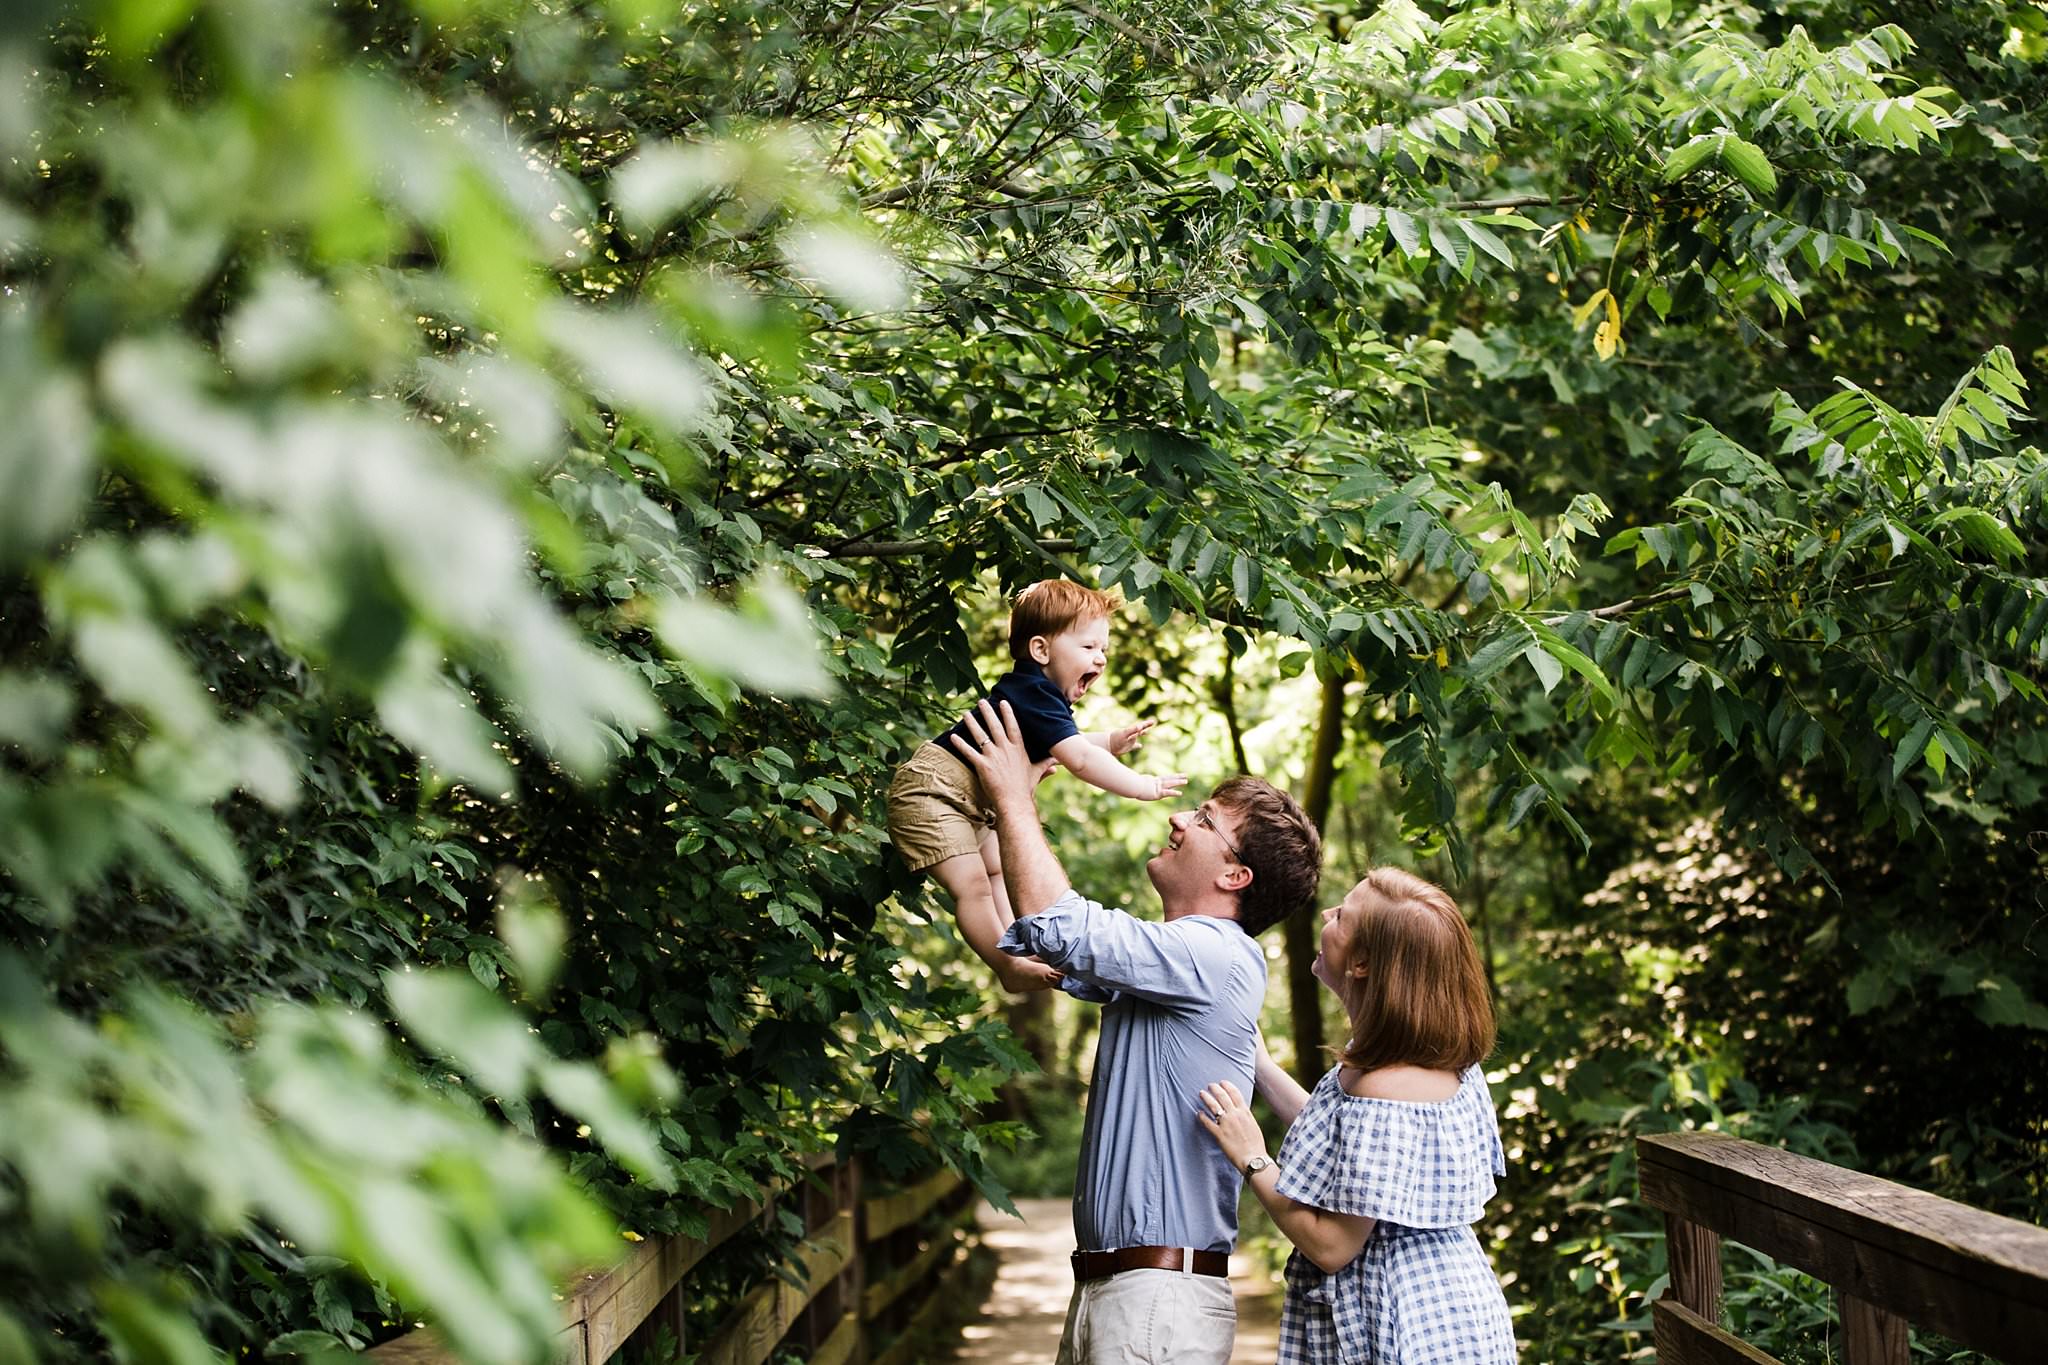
1100 1265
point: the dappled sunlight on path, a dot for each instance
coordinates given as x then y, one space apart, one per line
1020 1323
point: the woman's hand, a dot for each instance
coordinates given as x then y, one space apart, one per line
1226 1118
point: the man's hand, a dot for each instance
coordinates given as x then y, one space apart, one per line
995 750
1121 742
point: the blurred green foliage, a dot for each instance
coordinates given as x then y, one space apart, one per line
490 490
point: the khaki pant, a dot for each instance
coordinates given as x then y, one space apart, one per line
936 809
1150 1317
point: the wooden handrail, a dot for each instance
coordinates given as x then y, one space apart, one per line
1894 1254
886 1213
601 1310
750 1334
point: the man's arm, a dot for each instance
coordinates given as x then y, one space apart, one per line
995 750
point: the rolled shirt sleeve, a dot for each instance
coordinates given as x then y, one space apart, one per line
1179 964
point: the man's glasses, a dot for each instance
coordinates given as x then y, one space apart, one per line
1203 818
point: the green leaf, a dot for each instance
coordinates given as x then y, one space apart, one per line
2001 1002
1983 533
144 1328
1496 654
46 444
1449 244
1913 748
1870 989
768 643
456 1017
440 722
1548 670
582 1091
304 1343
1691 156
1746 162
627 357
533 933
1484 239
850 264
1525 801
1406 231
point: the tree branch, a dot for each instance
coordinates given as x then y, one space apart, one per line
913 549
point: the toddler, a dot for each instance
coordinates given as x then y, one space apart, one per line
940 820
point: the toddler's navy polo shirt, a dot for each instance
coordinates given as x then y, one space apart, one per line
1044 717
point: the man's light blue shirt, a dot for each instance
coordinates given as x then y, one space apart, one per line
1182 1011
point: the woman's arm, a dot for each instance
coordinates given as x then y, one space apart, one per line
1331 1240
1278 1089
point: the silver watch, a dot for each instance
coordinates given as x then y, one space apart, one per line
1255 1165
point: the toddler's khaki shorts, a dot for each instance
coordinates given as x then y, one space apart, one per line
936 808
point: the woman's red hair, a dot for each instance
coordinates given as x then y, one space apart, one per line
1421 999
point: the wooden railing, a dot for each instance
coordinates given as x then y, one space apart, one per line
872 1272
1894 1255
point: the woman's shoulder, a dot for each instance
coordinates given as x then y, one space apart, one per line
1423 1163
1402 1084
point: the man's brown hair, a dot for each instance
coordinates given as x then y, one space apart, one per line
1053 605
1422 999
1278 842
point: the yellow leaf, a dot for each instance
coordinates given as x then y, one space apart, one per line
1443 657
1585 310
1607 337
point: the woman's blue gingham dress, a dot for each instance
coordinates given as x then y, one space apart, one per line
1422 1291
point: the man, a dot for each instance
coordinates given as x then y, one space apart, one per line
1155 1202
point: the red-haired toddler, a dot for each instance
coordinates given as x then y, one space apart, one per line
939 819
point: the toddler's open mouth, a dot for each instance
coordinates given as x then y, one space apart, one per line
1087 681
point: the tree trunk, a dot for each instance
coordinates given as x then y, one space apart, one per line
1224 692
1481 886
1304 994
1030 1019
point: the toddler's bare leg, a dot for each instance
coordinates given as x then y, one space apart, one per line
982 924
992 863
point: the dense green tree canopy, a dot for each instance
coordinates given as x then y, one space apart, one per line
490 490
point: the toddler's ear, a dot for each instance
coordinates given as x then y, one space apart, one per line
1040 650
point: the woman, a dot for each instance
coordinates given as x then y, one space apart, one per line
1389 1162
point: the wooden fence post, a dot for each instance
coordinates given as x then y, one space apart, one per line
854 1279
1870 1335
1695 1256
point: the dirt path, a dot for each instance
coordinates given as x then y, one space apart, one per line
1020 1324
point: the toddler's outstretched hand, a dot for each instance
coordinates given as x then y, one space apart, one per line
1123 741
1167 785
